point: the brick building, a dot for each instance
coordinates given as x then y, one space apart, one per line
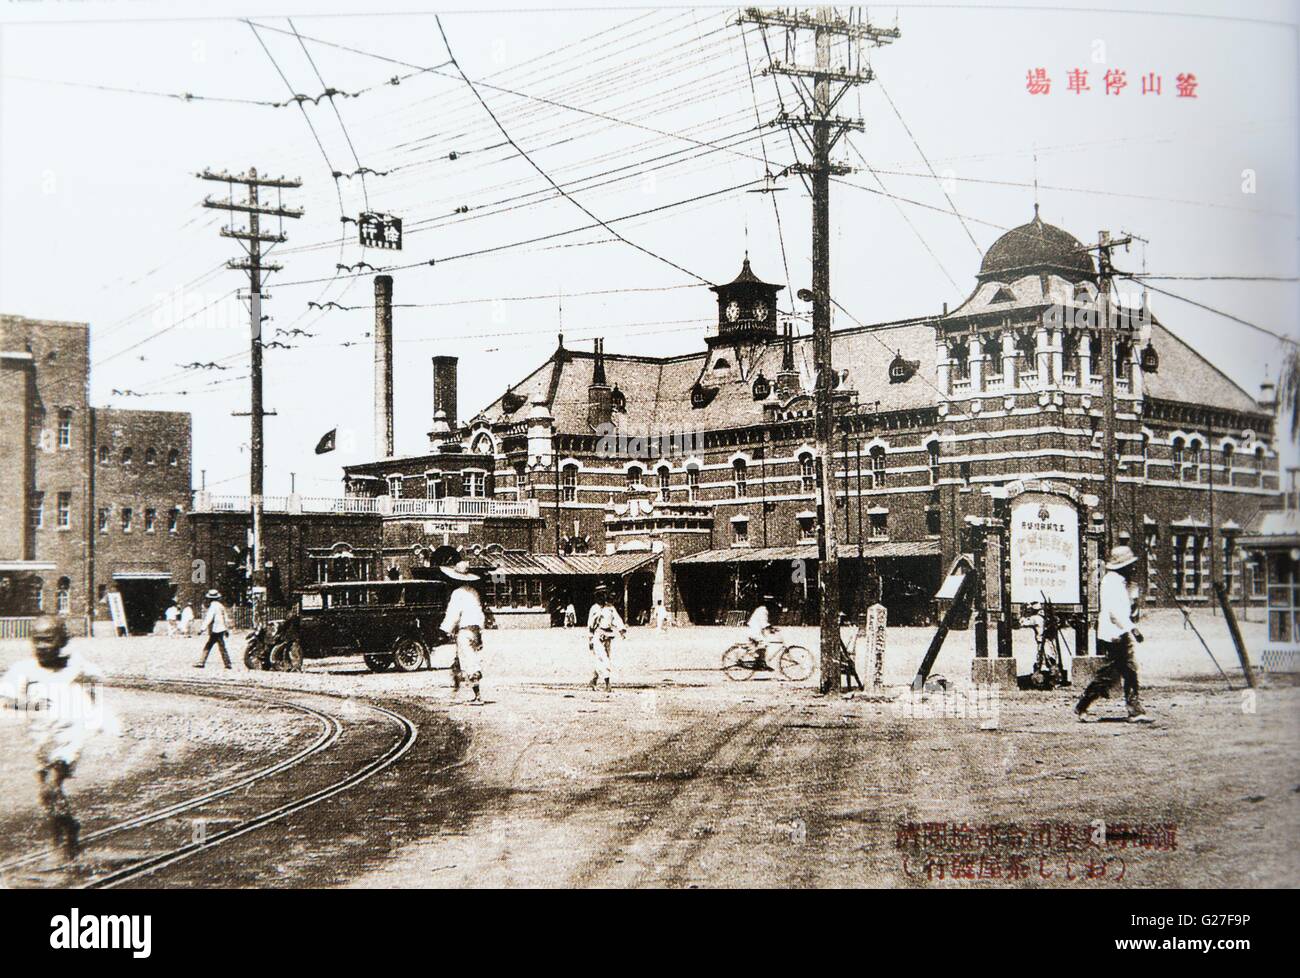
92 500
708 458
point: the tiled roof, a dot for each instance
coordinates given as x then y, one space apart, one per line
590 565
1185 375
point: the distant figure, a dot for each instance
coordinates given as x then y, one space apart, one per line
661 616
59 693
760 630
603 622
216 627
393 573
1116 634
187 620
464 621
172 616
570 616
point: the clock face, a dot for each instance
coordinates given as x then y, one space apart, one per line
732 311
760 311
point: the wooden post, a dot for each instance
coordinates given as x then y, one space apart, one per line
1222 594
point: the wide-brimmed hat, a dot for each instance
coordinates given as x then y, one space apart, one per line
459 571
214 593
1120 558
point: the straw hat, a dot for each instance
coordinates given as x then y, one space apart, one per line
1120 558
459 572
213 595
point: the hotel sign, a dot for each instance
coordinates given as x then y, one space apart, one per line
1044 543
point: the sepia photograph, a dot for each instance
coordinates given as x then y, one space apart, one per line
667 447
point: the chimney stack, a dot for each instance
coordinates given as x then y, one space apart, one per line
444 388
384 366
600 398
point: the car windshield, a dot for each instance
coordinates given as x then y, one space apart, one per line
380 593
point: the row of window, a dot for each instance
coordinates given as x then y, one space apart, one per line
473 484
104 517
877 527
127 456
62 595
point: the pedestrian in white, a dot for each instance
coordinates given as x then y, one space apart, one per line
172 616
661 615
217 628
464 621
1116 634
187 620
570 616
59 693
603 623
761 632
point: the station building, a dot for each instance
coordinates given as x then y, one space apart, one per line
692 479
92 500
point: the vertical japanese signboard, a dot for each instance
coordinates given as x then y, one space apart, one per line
1044 531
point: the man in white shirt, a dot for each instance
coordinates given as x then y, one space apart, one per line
171 616
464 621
661 615
1116 634
760 632
603 623
217 628
60 694
187 620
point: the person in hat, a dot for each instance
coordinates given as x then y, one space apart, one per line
59 692
1116 633
464 621
761 632
603 623
217 628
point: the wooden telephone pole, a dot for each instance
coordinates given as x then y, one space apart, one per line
253 239
1105 271
819 89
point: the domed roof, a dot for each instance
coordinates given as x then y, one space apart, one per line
1036 247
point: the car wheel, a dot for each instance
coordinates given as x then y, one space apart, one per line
409 654
378 663
253 655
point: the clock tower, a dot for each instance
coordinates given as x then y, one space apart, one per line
746 309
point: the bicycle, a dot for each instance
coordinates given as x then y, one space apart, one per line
794 662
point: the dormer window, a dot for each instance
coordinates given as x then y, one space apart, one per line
617 399
1003 294
762 388
721 365
634 476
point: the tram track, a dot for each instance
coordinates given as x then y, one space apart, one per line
227 804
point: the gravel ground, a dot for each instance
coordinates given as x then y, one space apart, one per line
681 777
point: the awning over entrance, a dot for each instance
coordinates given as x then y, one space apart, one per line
847 551
24 566
589 565
142 575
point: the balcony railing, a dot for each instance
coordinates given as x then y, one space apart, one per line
462 506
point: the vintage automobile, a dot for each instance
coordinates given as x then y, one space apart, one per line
391 624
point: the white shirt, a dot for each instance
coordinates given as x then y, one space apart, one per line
1116 616
605 619
215 619
759 621
61 705
464 610
171 614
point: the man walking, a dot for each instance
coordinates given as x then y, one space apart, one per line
603 623
60 694
216 627
1116 634
464 621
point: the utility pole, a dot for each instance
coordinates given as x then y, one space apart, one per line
252 239
1105 271
819 89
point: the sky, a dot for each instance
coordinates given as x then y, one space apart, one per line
652 116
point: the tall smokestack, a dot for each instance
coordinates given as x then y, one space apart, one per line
384 365
444 387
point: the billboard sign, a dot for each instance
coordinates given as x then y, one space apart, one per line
380 230
1044 531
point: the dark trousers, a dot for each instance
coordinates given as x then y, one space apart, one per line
1120 665
218 639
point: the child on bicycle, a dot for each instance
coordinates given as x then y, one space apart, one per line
761 632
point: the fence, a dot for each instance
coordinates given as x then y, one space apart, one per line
22 627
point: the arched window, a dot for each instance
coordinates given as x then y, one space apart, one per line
1228 449
569 483
634 476
173 458
740 476
932 453
521 478
992 346
38 593
128 453
150 456
692 483
1259 458
1070 353
63 596
1193 471
1027 352
1177 448
665 483
104 454
807 473
878 471
961 360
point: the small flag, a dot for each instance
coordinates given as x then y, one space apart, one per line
326 443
